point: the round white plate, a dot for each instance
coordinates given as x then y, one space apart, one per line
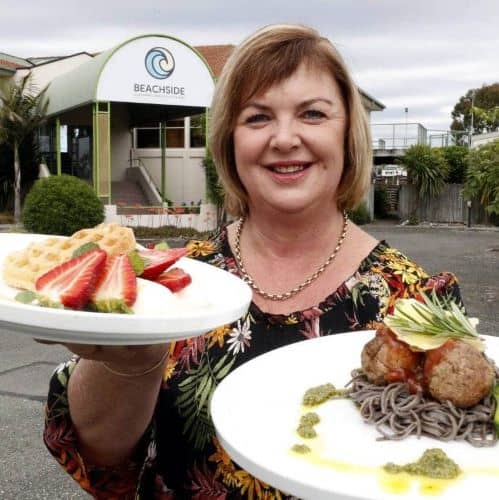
257 407
215 297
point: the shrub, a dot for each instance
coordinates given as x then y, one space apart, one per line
381 202
61 205
360 215
482 181
413 220
165 232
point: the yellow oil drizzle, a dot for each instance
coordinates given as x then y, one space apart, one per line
391 483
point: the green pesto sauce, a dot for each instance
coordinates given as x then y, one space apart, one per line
306 431
434 463
300 448
317 395
310 418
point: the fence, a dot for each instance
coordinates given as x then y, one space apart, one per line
450 207
205 220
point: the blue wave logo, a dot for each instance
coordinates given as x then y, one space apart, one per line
159 63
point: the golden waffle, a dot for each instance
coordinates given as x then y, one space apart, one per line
21 269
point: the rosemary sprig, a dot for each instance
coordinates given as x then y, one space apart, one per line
435 317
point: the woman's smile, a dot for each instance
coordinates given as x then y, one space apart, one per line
288 171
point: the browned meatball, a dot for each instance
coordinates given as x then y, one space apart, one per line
386 359
459 373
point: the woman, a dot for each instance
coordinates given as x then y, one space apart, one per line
291 142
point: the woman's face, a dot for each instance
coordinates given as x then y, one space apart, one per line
289 143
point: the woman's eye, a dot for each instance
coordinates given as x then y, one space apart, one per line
256 118
313 114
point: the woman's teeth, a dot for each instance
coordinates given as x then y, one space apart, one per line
288 169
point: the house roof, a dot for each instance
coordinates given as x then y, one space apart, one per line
216 56
9 64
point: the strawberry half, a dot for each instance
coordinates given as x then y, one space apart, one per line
116 289
71 282
156 261
175 279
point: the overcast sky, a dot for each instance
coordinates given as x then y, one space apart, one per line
418 54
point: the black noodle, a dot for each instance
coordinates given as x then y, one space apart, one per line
397 413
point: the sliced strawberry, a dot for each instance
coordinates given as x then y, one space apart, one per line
175 279
156 261
116 289
71 282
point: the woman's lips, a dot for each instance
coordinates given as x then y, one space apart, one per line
288 172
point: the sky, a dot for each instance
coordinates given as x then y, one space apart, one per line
421 55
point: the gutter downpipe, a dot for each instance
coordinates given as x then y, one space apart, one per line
162 143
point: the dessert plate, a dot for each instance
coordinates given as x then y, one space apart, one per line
256 410
214 298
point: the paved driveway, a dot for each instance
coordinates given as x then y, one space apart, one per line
28 472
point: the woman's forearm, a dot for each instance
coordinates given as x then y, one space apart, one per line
110 412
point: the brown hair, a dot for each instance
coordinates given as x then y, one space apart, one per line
268 57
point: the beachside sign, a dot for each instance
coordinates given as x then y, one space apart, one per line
156 70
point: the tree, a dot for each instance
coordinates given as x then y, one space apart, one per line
485 110
482 181
457 161
22 111
427 170
214 189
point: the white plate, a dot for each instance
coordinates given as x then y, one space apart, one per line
256 410
214 298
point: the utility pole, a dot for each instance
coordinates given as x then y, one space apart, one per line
472 117
406 111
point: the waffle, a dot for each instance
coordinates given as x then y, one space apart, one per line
21 269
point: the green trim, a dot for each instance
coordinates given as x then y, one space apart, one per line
58 161
162 145
95 148
206 147
110 168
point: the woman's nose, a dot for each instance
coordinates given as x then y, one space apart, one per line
284 137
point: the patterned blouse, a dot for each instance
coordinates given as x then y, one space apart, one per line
183 459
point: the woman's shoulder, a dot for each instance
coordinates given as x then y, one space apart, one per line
214 246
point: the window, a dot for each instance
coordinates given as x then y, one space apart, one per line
148 137
175 133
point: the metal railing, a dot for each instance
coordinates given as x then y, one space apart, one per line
147 178
400 136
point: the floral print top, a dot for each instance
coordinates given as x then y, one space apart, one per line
179 456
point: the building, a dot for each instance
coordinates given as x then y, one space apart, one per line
131 121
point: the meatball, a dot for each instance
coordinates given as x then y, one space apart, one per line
459 373
384 358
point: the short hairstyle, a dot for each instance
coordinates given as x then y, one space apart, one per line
266 58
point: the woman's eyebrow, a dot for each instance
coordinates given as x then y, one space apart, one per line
254 104
314 100
302 104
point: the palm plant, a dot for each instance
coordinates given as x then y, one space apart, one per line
22 111
427 170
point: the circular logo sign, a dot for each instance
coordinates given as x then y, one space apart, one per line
159 63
